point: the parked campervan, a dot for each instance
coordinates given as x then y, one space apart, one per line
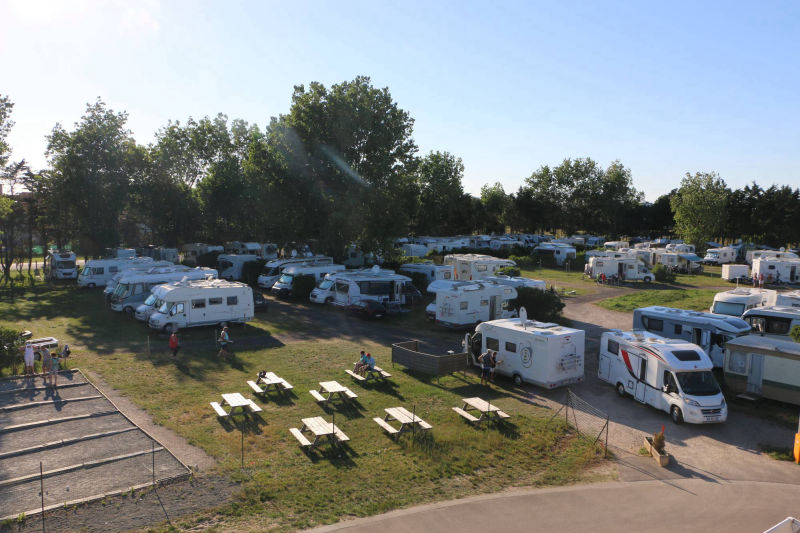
192 251
772 320
788 299
120 253
736 301
709 331
559 251
626 268
752 255
688 263
720 256
680 248
475 266
384 286
242 248
97 272
208 302
777 270
763 367
671 375
460 304
273 269
503 243
735 272
60 265
431 270
517 282
414 250
616 245
544 354
231 266
283 287
134 288
480 241
114 281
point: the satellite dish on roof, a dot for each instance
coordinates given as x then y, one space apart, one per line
523 317
375 269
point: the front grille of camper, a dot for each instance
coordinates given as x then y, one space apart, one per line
714 411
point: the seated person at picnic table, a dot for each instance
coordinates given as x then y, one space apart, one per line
369 365
362 361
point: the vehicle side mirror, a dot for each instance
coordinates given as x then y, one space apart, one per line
665 388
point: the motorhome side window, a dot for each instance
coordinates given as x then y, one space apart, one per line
462 306
613 347
737 362
215 301
599 263
342 286
113 269
199 304
778 326
484 302
99 270
233 300
481 268
652 324
511 347
678 329
492 344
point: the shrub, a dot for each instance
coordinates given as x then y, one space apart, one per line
508 271
251 270
541 305
795 334
10 341
524 261
302 286
419 280
208 260
663 274
658 440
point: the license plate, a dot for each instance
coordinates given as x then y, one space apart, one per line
712 418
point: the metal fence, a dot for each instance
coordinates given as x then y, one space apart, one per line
585 418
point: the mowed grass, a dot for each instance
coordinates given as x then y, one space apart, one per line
282 486
692 299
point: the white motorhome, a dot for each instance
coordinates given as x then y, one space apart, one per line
720 256
189 304
545 354
231 266
752 255
475 266
669 374
194 250
283 287
97 272
627 268
242 248
114 281
681 262
134 288
384 286
503 243
560 251
431 270
788 299
61 265
709 331
273 269
736 301
480 241
680 248
616 245
777 270
517 282
735 272
461 304
121 253
763 367
414 250
772 320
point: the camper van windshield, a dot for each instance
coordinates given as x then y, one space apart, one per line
65 264
150 300
285 278
120 289
271 271
728 308
698 383
224 265
164 309
326 284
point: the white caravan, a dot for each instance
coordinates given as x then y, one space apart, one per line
461 304
627 268
517 282
194 250
734 272
772 320
788 299
763 367
231 266
61 265
189 304
545 354
752 255
709 331
682 262
720 256
480 241
680 248
283 287
777 270
503 243
273 269
431 270
560 252
121 253
384 286
475 266
736 301
414 250
242 248
97 272
671 375
134 288
616 245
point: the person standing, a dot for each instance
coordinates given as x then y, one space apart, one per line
54 370
485 361
493 362
47 365
761 281
224 340
28 359
174 343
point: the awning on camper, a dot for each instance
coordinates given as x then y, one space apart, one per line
693 258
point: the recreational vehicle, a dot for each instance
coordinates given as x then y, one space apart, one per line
772 320
544 354
61 265
414 250
517 282
283 287
559 251
431 270
688 263
461 304
120 253
114 281
189 304
134 288
788 299
194 250
231 266
625 268
97 272
763 367
669 374
720 256
736 301
706 330
475 266
752 255
777 270
273 269
680 248
480 241
383 286
242 248
616 245
735 272
503 243
159 253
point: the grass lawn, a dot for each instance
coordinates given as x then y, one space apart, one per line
282 486
693 299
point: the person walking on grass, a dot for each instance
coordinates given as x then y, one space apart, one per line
486 366
493 362
224 341
174 343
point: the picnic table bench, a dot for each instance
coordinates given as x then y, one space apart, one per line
400 414
486 409
235 401
333 390
318 427
375 372
271 382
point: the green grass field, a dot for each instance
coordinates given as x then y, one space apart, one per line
282 486
694 299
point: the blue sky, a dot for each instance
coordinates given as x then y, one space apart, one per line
667 88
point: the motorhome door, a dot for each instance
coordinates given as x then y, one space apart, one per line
641 385
493 310
398 289
756 374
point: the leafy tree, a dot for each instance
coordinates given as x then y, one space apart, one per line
10 341
496 206
439 178
700 207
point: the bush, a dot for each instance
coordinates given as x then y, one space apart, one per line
302 286
251 270
795 334
508 271
10 341
419 280
208 260
663 274
541 305
524 261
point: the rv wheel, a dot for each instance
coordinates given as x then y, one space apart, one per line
328 301
128 311
518 380
677 415
223 324
91 286
647 279
168 328
621 390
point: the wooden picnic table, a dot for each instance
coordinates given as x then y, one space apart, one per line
235 401
376 373
318 427
486 409
333 390
406 418
271 382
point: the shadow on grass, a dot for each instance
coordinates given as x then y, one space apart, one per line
247 423
339 455
350 409
383 386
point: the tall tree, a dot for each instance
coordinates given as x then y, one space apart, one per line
439 179
700 207
496 205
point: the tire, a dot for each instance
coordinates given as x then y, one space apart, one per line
647 279
676 414
91 286
621 390
168 328
518 381
328 300
128 311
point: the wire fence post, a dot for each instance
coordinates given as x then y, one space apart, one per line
242 432
41 488
153 455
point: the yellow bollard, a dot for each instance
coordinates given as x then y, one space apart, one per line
797 448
